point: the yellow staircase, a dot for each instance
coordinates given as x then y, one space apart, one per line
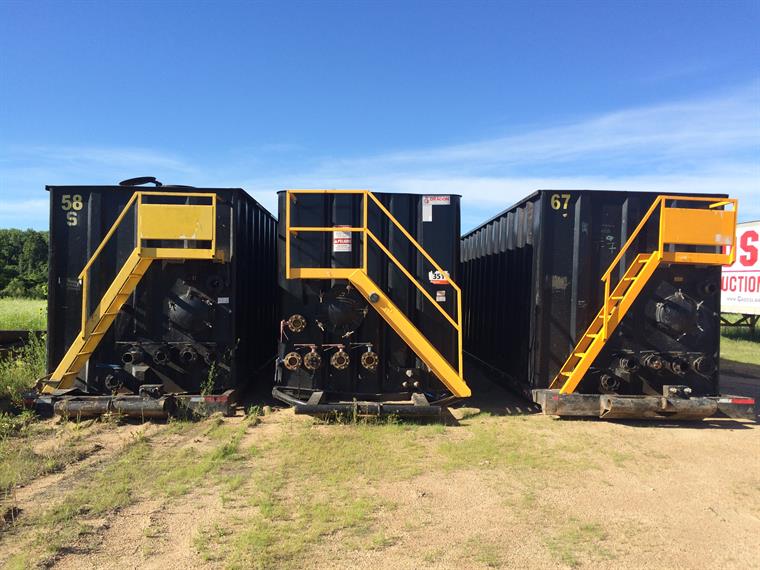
678 226
451 377
159 218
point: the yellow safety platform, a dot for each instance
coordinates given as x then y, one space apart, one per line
450 376
712 226
189 229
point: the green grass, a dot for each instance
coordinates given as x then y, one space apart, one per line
739 344
18 373
23 314
320 483
21 463
739 350
577 541
315 483
136 472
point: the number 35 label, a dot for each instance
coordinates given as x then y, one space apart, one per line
71 204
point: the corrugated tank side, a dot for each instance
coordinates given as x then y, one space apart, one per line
497 283
530 293
223 311
316 299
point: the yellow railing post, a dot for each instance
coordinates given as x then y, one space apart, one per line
660 243
287 234
605 312
732 255
365 198
84 305
213 224
459 333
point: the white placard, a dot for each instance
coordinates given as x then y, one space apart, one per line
427 205
438 278
341 240
740 283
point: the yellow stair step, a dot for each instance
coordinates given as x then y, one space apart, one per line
409 333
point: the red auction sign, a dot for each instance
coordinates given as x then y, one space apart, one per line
740 283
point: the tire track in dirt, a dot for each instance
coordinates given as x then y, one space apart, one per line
161 533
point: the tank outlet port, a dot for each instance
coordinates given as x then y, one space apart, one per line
370 360
113 383
653 361
703 365
628 363
609 384
678 366
161 355
188 355
340 360
134 355
292 361
312 360
296 323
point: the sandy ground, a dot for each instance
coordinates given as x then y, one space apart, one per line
657 496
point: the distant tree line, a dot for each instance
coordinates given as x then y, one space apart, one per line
23 263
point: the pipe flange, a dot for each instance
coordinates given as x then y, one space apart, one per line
340 360
296 323
292 361
312 360
370 360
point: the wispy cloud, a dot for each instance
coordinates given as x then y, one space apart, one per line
708 144
654 135
702 145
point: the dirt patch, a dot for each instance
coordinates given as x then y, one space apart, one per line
496 489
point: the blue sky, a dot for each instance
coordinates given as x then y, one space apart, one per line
489 100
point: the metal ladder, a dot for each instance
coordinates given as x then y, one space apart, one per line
450 376
678 226
159 218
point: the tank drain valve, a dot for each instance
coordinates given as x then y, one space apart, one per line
652 361
134 355
161 355
292 361
296 323
370 360
188 354
340 360
312 360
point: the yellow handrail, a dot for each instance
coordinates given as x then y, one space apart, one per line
659 203
136 198
367 234
632 237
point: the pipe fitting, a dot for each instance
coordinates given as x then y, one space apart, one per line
312 360
292 361
370 360
340 360
188 355
161 355
135 355
296 323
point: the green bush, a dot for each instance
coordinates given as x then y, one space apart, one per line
19 373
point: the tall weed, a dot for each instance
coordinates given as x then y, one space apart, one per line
19 372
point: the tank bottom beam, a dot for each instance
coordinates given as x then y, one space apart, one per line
417 407
617 407
73 406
